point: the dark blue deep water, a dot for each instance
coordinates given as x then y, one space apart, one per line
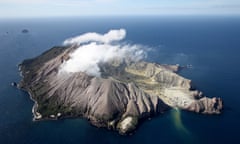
210 44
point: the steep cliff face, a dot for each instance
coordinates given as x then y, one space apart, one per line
125 93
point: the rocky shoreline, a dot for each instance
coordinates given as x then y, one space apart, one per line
125 93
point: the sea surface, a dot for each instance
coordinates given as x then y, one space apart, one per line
210 44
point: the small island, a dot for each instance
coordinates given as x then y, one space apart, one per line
127 92
24 31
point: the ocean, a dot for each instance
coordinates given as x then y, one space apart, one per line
211 44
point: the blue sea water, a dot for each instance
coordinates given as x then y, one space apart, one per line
210 44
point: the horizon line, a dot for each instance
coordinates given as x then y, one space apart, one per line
122 15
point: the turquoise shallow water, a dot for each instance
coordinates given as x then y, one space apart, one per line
210 44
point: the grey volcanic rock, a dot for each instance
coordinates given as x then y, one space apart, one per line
127 125
207 105
125 93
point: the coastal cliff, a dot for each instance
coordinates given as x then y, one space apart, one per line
125 93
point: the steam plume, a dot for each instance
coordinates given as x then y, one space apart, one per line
94 48
112 35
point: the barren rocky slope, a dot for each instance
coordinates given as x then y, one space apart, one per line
125 93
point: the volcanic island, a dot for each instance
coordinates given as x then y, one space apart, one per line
125 94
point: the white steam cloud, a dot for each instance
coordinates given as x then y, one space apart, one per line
94 48
112 35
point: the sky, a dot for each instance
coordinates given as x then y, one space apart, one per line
51 8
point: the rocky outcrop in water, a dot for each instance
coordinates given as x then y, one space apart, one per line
25 31
125 93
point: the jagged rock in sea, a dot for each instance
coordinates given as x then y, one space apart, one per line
14 84
125 93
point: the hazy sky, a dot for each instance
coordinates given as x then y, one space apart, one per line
42 8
